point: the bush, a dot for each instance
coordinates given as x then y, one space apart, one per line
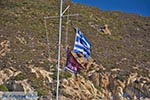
65 74
115 38
42 91
20 76
3 88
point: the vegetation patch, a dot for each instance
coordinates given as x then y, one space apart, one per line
65 74
36 82
3 88
115 38
20 76
42 91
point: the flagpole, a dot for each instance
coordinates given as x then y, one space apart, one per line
59 45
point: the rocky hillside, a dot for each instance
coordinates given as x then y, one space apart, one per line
28 58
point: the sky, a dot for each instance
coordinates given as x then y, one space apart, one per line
141 7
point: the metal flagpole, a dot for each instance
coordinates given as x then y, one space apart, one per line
47 40
71 15
67 30
59 45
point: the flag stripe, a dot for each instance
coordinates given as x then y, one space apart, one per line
83 37
79 48
69 69
81 45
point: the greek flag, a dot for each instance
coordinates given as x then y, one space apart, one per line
82 45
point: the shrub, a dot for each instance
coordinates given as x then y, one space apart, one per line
42 91
20 76
115 38
65 74
3 88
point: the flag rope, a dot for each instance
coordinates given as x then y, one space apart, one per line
47 39
67 29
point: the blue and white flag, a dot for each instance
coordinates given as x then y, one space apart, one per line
82 45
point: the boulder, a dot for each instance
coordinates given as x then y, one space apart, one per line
105 29
81 89
19 86
5 47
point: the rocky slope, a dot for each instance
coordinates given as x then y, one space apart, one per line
119 71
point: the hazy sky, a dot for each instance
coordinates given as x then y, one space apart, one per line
141 7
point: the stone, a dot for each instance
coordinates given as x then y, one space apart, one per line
19 86
105 29
7 73
131 79
41 73
95 79
5 47
13 86
82 89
